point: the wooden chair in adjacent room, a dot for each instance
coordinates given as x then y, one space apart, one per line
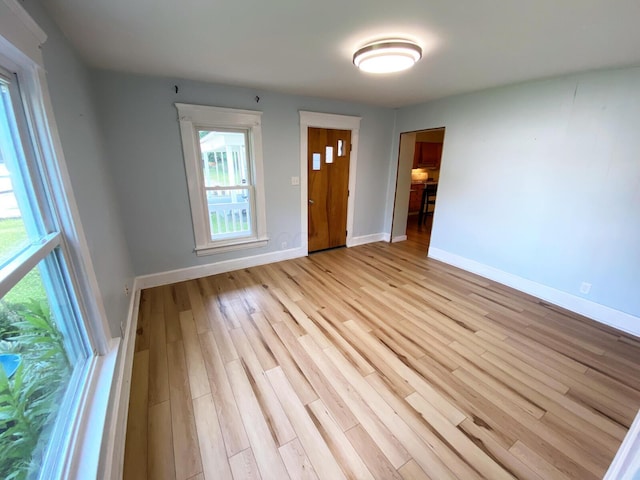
428 198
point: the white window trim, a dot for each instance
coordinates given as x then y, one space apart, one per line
337 122
191 118
20 42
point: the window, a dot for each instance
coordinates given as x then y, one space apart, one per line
223 161
57 357
45 350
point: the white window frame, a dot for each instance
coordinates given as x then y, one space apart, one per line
20 51
197 117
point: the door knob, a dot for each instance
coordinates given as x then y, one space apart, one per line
311 202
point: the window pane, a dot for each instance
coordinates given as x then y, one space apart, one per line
224 158
40 349
229 212
17 226
328 156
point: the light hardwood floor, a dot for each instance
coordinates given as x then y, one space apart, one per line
419 236
372 362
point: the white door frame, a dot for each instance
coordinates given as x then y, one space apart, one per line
336 122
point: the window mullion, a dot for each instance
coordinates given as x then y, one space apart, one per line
26 261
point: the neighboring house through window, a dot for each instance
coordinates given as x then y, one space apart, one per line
223 161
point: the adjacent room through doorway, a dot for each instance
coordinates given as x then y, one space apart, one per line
419 160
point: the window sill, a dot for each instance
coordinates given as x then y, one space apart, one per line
231 245
83 460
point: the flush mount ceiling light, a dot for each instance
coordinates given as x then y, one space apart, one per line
387 56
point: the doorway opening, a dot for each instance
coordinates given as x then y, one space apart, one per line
418 176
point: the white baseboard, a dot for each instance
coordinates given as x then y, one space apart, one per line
199 271
626 463
607 315
374 237
399 238
112 461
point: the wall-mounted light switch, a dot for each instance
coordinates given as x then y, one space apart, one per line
295 180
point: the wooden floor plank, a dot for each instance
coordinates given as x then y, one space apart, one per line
372 456
198 297
217 325
244 466
340 446
136 445
321 384
301 318
412 471
321 458
332 365
182 296
171 314
185 439
144 318
539 464
258 344
198 380
232 312
263 443
214 456
410 376
321 318
535 398
272 409
158 378
160 460
432 454
296 460
488 443
283 356
372 362
468 450
235 438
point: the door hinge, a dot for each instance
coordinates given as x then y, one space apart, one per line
348 192
350 147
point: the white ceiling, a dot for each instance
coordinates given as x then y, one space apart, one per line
305 47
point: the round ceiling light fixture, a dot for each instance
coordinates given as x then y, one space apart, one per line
387 56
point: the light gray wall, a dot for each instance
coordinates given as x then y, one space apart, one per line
69 86
142 135
542 180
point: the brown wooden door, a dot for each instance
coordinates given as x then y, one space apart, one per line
328 173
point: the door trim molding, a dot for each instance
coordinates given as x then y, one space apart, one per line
336 122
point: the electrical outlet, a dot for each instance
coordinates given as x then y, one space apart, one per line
585 288
283 245
127 290
295 180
